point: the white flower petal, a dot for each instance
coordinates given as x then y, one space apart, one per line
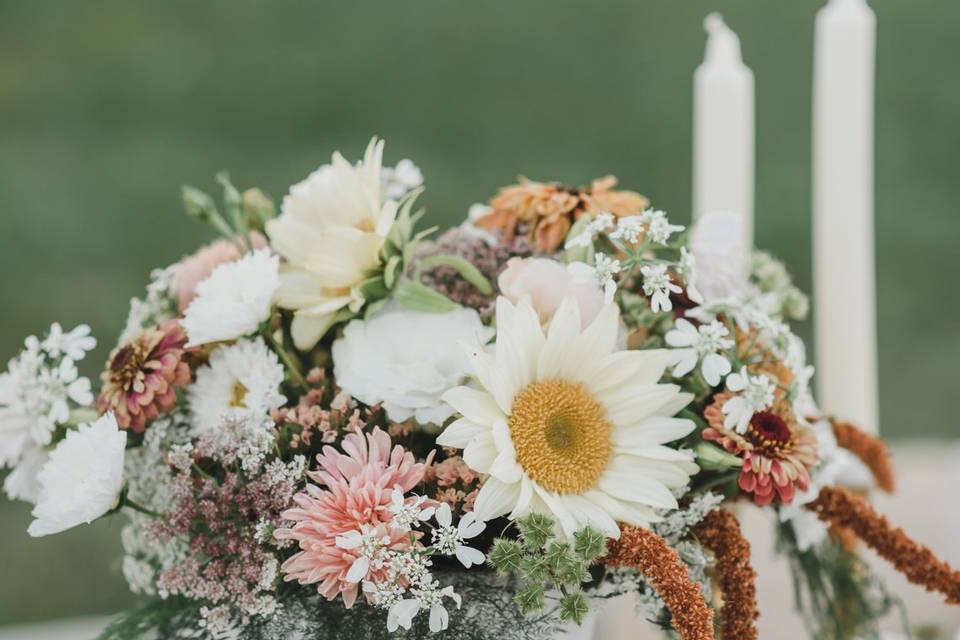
494 499
468 556
460 433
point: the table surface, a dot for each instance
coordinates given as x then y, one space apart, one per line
927 505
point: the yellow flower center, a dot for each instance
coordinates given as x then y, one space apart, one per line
238 395
561 436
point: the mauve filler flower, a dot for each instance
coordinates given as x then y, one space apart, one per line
142 375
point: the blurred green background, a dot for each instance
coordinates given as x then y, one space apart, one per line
107 107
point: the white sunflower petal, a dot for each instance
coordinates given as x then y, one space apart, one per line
460 432
495 498
476 405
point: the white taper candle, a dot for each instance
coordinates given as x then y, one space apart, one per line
843 240
723 128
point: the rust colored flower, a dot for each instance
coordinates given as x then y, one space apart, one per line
720 532
648 553
871 450
142 375
545 212
921 566
777 452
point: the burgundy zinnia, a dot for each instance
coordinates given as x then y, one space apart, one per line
141 376
777 452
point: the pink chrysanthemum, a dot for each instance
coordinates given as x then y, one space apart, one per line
354 496
142 375
777 452
196 268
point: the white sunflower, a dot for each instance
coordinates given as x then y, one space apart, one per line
566 425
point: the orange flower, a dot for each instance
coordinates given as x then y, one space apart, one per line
545 212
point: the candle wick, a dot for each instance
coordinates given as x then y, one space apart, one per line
713 23
722 42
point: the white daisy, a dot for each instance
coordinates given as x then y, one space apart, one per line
754 393
241 380
233 300
700 344
330 231
82 479
566 425
407 359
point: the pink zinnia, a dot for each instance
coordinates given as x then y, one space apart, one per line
196 268
142 375
354 496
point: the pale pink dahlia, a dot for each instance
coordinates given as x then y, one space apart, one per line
196 268
353 496
142 375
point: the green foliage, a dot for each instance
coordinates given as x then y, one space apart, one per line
545 564
835 592
505 556
573 607
245 212
493 610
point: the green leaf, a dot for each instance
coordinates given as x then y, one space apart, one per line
573 607
505 556
418 297
466 270
374 288
391 270
530 599
589 544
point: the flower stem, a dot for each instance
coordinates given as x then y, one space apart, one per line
127 502
287 359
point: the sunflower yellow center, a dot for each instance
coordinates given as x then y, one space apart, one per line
561 436
238 395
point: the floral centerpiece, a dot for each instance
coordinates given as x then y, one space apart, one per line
327 424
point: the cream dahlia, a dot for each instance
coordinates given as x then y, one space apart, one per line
330 231
566 425
142 375
352 495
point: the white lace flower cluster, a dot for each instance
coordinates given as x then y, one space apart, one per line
37 392
156 307
705 344
636 239
410 587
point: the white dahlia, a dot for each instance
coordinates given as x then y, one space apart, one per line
241 380
566 425
233 300
406 360
330 231
83 478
